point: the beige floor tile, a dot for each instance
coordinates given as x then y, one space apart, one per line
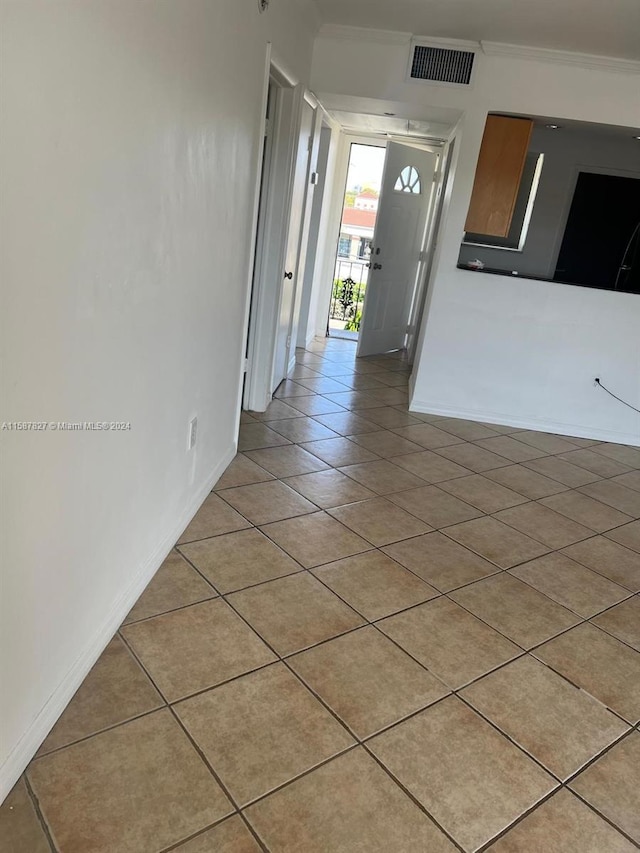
608 558
621 453
562 824
278 410
473 457
390 396
287 461
374 584
586 511
256 435
289 388
241 472
434 506
630 480
483 493
213 518
428 436
195 648
440 561
262 730
526 482
140 786
241 559
115 690
323 385
386 443
294 613
346 423
497 542
20 828
175 584
511 448
467 430
559 725
599 664
349 804
382 476
564 472
595 462
474 783
355 400
612 783
515 609
360 381
541 523
303 429
265 502
329 488
379 521
623 621
390 418
627 535
367 680
571 584
315 405
340 451
395 379
316 539
430 466
230 836
615 495
546 441
449 641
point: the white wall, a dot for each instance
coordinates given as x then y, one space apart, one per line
518 352
130 150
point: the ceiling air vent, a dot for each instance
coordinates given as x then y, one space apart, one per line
442 65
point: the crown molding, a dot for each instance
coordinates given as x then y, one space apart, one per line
343 33
561 57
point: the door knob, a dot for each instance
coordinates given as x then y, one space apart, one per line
377 266
288 275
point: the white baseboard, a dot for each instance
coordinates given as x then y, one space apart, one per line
541 425
27 746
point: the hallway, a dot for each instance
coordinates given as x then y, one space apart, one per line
383 631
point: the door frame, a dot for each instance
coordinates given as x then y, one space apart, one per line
336 202
265 267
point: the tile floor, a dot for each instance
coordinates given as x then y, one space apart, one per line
382 631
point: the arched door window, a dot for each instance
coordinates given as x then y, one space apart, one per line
408 181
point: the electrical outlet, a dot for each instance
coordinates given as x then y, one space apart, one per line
193 433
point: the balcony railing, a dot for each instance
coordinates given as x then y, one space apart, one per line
347 297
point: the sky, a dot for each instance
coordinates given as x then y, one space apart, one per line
365 166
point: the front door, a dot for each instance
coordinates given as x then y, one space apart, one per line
405 201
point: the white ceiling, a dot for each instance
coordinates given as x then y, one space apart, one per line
601 27
371 115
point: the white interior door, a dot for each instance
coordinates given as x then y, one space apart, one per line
292 255
405 201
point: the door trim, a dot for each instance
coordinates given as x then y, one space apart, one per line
263 293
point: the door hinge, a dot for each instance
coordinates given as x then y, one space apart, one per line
245 365
288 341
435 177
310 143
423 255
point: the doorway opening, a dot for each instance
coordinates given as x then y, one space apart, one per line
355 240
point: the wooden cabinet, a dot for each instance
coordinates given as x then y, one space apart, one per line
498 174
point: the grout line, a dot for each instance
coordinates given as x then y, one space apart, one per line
39 814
